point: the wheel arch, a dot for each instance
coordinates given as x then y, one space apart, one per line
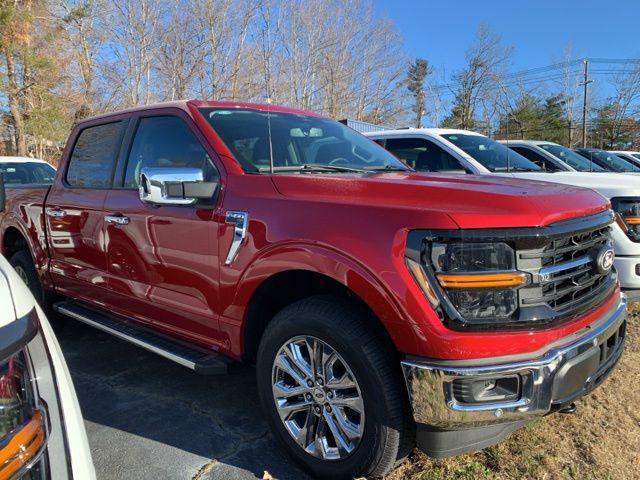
282 278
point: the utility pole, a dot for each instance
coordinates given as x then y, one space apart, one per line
585 83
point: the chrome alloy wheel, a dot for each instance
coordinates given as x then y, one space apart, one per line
318 398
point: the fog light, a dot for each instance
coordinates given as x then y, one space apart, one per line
486 390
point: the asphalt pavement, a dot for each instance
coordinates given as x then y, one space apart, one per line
148 418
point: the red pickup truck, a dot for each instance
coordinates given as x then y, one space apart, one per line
382 307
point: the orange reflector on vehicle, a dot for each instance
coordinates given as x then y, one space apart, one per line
23 446
632 220
421 279
481 280
621 224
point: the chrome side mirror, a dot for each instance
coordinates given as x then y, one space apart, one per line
174 186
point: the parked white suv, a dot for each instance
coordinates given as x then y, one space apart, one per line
448 150
42 433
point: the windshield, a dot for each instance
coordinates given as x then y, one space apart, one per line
572 158
27 173
610 161
494 156
298 143
637 155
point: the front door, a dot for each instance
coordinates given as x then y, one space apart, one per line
163 260
74 213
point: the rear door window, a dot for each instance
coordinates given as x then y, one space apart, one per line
94 156
423 155
536 158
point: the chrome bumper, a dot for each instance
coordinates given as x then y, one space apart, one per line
550 379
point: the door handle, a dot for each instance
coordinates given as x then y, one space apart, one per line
55 212
117 219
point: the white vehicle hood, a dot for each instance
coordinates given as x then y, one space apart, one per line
607 184
15 299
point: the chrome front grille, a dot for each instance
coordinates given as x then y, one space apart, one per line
564 272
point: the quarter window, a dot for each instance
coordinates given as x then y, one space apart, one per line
166 142
94 156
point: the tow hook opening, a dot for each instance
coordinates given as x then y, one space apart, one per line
569 408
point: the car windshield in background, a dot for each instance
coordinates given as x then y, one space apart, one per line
298 143
572 158
610 161
27 173
494 156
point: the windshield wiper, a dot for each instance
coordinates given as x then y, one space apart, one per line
309 167
388 168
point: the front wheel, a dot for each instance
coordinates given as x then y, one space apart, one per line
332 390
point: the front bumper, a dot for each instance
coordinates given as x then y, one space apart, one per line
548 380
628 269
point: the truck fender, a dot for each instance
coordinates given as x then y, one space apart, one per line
332 264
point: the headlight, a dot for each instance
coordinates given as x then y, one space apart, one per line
23 423
478 282
628 216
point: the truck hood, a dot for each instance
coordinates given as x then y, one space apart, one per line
471 201
609 184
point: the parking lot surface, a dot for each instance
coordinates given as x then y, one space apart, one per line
148 418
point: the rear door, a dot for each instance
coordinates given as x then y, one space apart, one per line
74 213
163 259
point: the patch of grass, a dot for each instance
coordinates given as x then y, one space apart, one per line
600 441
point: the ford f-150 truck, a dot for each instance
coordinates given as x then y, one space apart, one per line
383 307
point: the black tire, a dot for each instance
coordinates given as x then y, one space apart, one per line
347 328
22 262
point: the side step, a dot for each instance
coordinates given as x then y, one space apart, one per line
199 360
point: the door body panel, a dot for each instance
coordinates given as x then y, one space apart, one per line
163 265
76 242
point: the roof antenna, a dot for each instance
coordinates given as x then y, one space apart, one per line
269 128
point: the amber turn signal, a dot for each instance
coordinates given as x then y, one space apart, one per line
632 220
420 277
23 446
481 280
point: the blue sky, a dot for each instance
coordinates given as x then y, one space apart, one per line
441 31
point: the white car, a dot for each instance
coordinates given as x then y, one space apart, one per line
42 433
461 151
26 171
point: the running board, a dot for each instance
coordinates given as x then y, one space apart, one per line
198 360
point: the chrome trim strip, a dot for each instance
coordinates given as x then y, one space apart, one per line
546 272
430 383
136 341
240 222
117 219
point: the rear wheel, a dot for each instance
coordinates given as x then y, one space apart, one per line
332 390
23 264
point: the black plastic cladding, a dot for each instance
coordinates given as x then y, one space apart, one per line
528 238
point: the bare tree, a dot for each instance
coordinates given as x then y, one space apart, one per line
133 25
486 60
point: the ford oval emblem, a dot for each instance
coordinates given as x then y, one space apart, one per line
604 260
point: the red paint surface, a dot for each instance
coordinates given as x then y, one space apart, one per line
165 269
